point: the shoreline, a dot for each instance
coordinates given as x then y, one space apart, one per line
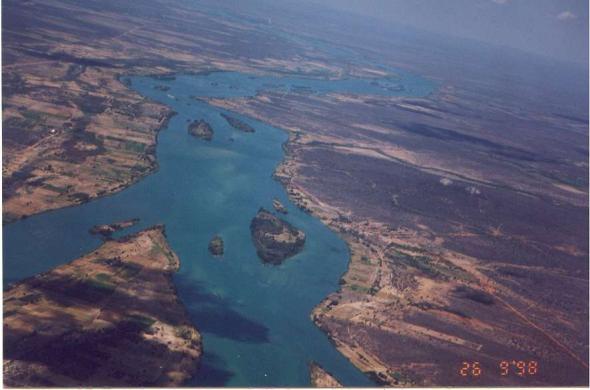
151 154
110 313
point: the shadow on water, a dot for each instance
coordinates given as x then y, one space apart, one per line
213 314
211 373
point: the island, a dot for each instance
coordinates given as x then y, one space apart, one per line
321 378
201 129
108 319
238 124
107 230
275 239
216 246
279 207
373 165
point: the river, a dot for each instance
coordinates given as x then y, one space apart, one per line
254 318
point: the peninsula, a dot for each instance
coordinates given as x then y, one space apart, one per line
110 318
321 378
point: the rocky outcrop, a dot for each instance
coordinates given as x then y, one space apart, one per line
274 238
216 246
106 231
201 129
279 207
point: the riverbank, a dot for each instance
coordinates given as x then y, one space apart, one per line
109 318
72 131
431 195
411 260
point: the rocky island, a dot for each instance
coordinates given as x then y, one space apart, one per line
201 129
274 238
216 246
321 378
107 230
238 124
108 319
279 207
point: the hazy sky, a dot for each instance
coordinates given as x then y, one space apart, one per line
555 28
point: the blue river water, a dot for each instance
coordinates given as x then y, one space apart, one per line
254 318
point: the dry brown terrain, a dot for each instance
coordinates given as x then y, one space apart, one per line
465 210
109 318
321 378
72 131
451 260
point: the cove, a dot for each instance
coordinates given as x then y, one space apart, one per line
254 318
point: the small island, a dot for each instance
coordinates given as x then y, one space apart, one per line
274 238
238 124
321 378
279 207
107 230
201 129
216 246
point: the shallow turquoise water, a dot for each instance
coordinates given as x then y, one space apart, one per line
254 317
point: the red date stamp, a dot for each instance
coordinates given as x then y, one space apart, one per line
505 368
